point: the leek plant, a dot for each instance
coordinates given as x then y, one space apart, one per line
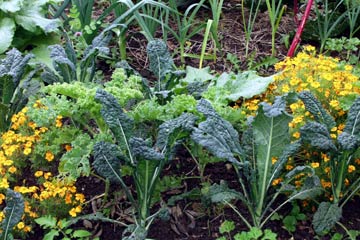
249 23
216 8
276 10
353 13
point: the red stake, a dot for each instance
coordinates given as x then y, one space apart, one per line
296 11
300 29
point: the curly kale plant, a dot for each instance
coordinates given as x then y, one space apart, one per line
341 153
266 138
145 160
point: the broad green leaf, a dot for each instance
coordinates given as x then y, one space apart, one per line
244 85
216 134
13 212
352 125
315 108
31 16
51 234
107 159
317 135
7 31
46 221
81 234
197 75
325 217
271 136
11 6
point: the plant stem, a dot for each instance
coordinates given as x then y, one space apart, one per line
300 29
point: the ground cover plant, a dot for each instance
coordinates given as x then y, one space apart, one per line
179 119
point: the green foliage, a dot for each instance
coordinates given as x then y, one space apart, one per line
146 161
325 217
66 65
226 227
13 212
160 59
24 20
341 153
255 233
61 228
267 137
293 217
14 89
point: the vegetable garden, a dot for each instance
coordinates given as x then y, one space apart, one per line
179 119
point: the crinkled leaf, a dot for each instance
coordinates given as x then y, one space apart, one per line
315 108
220 193
326 216
348 142
119 123
107 160
7 89
173 130
160 59
271 136
140 150
352 125
14 65
311 186
88 62
317 135
7 31
216 134
62 64
13 212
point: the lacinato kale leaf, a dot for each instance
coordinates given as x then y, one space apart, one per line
317 135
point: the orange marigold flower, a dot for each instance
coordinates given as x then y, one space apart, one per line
68 147
276 181
49 156
351 168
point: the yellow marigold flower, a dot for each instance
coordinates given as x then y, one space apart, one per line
325 184
351 168
327 170
346 182
273 160
315 165
309 48
296 135
27 229
80 197
333 136
298 119
20 225
315 84
47 175
38 173
297 183
2 216
276 181
334 103
12 169
348 68
32 125
285 88
289 167
27 151
49 156
325 157
4 183
58 122
2 198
